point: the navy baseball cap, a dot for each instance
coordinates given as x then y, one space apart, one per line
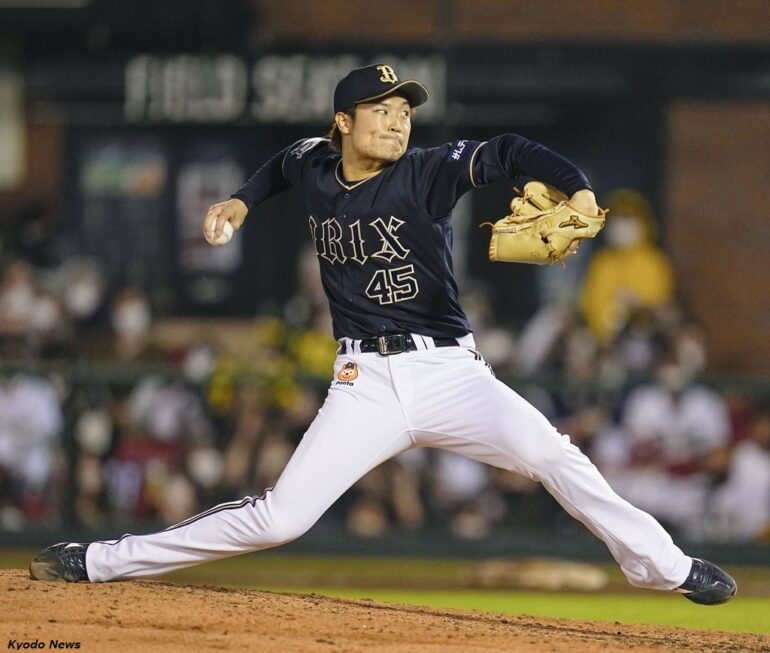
374 82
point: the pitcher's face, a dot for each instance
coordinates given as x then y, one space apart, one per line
380 130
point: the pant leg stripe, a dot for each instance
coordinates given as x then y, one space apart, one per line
231 505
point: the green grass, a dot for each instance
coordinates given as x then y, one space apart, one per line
748 614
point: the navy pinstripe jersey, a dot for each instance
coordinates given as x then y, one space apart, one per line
385 243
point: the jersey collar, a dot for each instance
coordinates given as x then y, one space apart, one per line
341 181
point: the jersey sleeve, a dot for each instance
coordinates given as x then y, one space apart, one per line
280 173
510 155
443 174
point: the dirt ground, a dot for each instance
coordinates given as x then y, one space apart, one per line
159 616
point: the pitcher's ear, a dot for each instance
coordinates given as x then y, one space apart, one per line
344 122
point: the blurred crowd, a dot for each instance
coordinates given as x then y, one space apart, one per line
617 364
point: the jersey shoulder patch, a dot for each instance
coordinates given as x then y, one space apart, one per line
458 150
448 152
293 163
301 148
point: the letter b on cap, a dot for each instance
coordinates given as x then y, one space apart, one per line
388 74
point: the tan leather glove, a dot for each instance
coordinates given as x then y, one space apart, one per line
542 227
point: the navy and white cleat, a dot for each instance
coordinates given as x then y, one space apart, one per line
65 561
707 584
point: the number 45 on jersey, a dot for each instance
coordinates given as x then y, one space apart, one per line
386 286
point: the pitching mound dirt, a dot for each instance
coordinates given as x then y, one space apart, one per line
157 616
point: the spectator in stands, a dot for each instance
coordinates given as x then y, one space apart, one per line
307 309
671 429
131 319
169 411
630 272
740 508
83 289
153 454
496 341
30 430
460 487
390 496
18 298
249 425
93 435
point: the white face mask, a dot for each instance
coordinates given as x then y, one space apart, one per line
691 355
206 466
131 318
673 377
199 363
623 231
94 431
82 298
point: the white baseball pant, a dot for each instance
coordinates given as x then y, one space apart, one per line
446 398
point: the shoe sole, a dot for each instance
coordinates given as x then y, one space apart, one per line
710 597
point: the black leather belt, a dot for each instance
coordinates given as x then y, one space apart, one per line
396 343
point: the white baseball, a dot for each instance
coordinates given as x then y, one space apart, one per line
223 238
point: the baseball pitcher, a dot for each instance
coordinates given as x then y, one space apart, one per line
407 373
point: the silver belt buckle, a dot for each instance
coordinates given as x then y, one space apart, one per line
394 344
